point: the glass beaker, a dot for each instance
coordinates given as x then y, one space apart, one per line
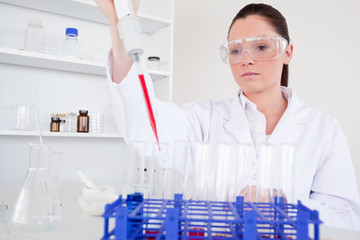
37 207
25 117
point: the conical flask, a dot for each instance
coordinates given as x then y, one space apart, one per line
37 206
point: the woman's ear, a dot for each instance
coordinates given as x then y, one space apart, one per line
288 54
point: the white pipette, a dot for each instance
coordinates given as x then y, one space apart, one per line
130 32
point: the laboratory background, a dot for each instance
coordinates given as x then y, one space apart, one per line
184 37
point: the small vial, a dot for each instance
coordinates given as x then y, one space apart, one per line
55 124
62 122
83 121
62 125
73 125
71 122
71 47
154 62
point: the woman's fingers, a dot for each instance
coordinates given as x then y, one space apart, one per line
259 194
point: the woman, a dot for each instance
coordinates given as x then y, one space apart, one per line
265 110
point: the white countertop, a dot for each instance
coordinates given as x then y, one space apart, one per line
76 224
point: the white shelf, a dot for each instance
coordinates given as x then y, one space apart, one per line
158 74
47 61
59 134
87 10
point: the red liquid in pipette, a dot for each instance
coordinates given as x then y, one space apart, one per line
149 108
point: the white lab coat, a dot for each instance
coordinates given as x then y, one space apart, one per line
325 178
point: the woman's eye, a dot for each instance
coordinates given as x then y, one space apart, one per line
235 52
262 47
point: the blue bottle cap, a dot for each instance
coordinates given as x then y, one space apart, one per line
73 32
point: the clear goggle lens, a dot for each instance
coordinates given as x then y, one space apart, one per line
259 48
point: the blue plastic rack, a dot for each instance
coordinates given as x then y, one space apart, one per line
138 218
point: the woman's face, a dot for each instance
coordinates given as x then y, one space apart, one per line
257 76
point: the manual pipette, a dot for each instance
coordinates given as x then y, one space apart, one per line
136 58
130 32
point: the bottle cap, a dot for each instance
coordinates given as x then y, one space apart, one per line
73 32
83 111
153 58
55 119
35 23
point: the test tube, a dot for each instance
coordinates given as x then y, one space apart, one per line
162 166
276 172
136 167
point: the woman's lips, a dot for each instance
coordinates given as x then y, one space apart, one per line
249 74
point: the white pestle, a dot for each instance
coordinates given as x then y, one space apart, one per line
87 181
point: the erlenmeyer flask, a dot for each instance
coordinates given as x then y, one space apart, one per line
37 206
4 228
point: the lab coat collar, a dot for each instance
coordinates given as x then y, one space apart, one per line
289 128
235 120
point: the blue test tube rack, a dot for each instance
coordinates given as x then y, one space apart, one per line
138 218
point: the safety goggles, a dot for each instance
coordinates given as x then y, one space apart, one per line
259 48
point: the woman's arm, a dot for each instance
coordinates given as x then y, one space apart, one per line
334 190
121 63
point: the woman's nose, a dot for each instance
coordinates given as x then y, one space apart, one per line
246 58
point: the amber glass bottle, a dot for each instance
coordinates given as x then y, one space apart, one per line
55 124
83 121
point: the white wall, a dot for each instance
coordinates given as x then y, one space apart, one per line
324 70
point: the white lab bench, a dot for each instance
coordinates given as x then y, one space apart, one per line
76 224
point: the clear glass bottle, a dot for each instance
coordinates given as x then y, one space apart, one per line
37 206
154 62
34 36
62 122
71 45
83 121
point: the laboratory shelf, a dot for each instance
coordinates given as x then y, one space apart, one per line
54 62
59 134
158 74
60 63
87 10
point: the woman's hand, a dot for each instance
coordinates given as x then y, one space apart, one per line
260 194
255 194
107 7
121 62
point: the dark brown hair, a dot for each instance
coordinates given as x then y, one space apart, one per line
275 18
